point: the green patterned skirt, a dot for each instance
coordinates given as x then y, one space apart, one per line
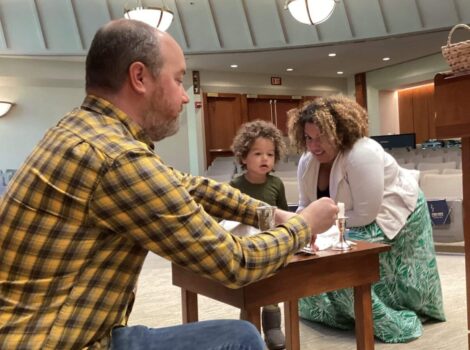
409 289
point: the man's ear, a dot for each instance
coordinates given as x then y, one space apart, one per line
138 72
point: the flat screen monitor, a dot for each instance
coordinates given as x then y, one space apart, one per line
396 141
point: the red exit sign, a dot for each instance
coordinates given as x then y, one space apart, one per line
276 81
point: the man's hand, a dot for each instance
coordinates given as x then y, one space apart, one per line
320 216
281 216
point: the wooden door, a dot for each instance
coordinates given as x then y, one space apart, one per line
281 107
259 108
223 115
272 108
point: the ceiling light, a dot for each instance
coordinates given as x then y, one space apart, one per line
289 69
157 17
331 54
234 66
339 72
310 11
5 107
386 59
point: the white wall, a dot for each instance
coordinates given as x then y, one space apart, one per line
26 123
261 84
44 90
388 112
196 142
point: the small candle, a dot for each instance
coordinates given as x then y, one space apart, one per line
341 209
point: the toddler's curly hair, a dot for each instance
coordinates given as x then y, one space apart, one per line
249 132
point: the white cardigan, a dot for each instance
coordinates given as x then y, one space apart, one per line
369 182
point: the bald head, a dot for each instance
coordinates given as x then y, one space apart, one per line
116 46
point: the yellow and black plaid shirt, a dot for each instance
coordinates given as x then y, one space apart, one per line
83 211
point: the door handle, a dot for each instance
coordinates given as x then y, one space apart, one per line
275 112
271 110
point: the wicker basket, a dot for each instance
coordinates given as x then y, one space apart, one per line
458 54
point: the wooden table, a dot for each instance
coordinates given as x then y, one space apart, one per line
304 275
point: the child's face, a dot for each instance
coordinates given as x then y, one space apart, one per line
261 157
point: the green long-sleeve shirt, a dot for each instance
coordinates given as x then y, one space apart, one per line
271 191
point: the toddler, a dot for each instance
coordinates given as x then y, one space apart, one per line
257 146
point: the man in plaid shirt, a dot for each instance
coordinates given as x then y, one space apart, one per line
82 212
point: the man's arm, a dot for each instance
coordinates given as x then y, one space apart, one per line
141 199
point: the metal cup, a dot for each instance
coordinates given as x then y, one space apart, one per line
342 244
266 217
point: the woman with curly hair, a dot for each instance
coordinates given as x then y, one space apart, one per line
383 204
257 146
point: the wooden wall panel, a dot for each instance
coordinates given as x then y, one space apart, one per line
361 89
405 111
420 115
428 91
416 112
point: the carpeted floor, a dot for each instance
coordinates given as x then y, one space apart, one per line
158 305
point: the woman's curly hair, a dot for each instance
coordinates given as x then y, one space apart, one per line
249 132
342 120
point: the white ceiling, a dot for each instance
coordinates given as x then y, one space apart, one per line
258 35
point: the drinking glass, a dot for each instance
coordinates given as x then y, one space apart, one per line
266 217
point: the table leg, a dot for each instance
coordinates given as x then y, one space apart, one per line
363 315
189 306
252 315
291 321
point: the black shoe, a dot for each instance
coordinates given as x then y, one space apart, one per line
271 321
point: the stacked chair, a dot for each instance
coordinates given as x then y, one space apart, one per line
440 179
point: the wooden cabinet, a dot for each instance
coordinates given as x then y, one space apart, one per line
452 97
224 113
452 119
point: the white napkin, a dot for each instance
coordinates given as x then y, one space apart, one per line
324 240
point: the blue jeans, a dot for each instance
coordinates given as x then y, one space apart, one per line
206 335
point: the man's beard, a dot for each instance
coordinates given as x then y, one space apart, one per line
159 124
162 129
